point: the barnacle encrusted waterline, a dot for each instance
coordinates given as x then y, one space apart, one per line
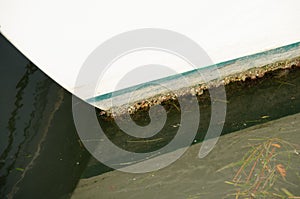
279 68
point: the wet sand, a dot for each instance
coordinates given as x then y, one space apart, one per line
191 177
